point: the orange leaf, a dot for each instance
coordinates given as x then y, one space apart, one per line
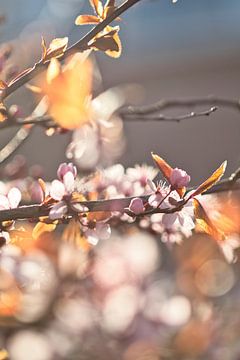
68 92
3 85
42 185
41 228
105 43
97 7
3 112
108 10
56 48
204 224
213 179
115 53
163 166
86 20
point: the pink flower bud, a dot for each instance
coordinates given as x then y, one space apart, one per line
179 178
136 206
65 168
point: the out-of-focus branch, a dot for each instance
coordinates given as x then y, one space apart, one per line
14 144
80 45
162 117
212 101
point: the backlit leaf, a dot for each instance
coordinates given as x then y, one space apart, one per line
3 112
44 48
56 48
163 166
97 6
3 85
86 20
203 222
69 92
213 179
41 228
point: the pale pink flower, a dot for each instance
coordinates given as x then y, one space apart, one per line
179 178
60 189
11 200
182 218
101 231
64 168
136 206
160 192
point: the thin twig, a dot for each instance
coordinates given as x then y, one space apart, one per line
179 103
162 117
80 45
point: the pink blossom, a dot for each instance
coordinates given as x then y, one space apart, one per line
182 218
179 178
64 168
136 206
101 231
12 199
160 192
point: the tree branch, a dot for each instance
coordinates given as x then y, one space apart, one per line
80 45
179 103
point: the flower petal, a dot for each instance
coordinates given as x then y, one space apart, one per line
58 210
57 190
14 197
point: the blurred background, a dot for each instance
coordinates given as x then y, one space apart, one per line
133 297
185 49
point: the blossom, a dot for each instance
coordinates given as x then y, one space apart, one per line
62 188
101 231
136 206
183 218
160 193
11 200
179 178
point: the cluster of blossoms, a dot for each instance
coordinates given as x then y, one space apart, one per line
165 208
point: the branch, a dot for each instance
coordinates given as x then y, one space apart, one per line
120 205
161 117
14 144
179 103
80 45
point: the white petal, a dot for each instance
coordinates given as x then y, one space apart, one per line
57 190
14 197
68 180
4 203
169 219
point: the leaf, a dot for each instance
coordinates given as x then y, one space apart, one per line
69 92
163 166
213 179
115 53
43 187
56 48
44 49
53 70
109 3
87 20
204 224
41 228
4 354
3 85
105 43
97 7
108 41
3 112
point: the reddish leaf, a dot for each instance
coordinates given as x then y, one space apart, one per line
3 85
44 49
163 166
3 112
105 43
204 224
213 179
56 48
87 20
